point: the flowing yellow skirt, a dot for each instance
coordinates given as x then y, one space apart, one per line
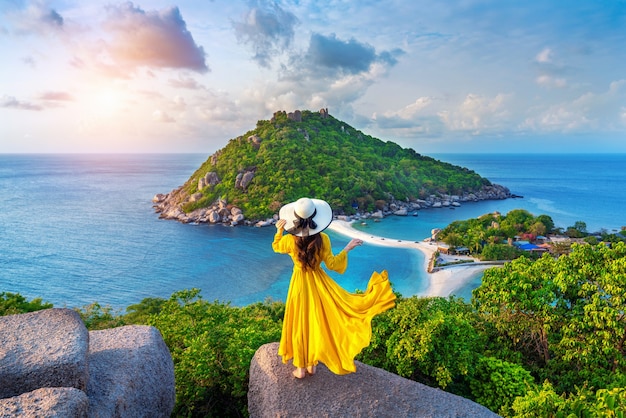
325 323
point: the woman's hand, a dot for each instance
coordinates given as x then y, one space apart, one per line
281 224
352 244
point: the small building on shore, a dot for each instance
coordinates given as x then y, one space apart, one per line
449 250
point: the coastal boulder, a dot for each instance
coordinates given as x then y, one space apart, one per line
370 392
47 348
236 216
378 214
172 212
159 197
131 373
214 217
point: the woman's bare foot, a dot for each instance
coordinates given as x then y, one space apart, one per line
311 370
299 373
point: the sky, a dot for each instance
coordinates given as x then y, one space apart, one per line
437 76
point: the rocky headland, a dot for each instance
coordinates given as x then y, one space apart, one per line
170 206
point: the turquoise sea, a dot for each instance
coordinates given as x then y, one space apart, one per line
81 228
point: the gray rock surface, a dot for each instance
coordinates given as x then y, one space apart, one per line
47 402
42 349
370 392
51 366
131 373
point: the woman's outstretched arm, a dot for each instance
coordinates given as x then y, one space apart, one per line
278 245
352 244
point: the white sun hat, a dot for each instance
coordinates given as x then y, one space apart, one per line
306 216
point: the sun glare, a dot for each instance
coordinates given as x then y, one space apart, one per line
106 103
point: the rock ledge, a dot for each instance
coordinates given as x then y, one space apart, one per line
370 392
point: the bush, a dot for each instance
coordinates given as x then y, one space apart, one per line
546 402
212 345
496 383
429 340
97 317
14 303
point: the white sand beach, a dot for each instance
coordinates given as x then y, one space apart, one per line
441 283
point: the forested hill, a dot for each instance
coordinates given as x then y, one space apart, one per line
313 154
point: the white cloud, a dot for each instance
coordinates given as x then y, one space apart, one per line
269 31
153 39
549 81
588 112
478 114
13 103
463 70
545 56
37 18
160 116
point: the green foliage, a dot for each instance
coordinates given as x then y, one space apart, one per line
496 383
431 340
488 236
547 222
140 313
565 316
212 345
500 252
326 159
557 321
14 303
546 402
560 321
96 317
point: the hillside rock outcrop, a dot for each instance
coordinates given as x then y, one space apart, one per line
370 392
210 179
51 366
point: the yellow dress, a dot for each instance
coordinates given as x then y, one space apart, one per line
323 322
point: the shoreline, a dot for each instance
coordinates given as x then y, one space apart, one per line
442 282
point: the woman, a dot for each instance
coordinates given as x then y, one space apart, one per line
323 322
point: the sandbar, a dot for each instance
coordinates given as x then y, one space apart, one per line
443 282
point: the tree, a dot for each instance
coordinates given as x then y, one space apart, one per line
496 383
431 340
578 230
547 222
453 239
518 299
592 302
538 228
566 316
500 252
519 219
14 303
212 345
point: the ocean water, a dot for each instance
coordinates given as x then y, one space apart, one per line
77 229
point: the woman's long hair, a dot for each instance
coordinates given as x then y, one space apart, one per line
308 249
